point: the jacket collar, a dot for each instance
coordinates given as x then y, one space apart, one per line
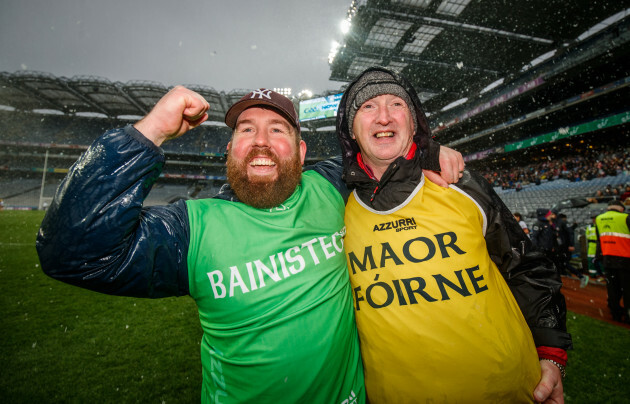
368 170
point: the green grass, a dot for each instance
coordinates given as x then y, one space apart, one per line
63 344
599 364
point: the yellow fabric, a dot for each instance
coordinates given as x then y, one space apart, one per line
424 339
591 239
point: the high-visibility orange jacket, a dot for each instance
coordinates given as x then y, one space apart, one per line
613 229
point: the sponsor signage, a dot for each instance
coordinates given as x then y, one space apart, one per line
569 131
319 108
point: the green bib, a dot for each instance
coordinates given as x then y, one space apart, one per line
274 299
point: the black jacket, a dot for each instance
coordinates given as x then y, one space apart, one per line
543 235
531 277
565 237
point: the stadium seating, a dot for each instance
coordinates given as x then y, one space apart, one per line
549 193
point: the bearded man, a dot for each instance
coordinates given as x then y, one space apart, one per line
264 261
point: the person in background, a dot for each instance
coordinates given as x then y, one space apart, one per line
594 266
613 234
452 303
521 223
543 235
566 246
597 198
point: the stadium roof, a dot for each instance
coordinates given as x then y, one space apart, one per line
92 96
451 49
489 72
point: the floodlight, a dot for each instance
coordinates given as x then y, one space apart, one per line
345 26
305 94
333 51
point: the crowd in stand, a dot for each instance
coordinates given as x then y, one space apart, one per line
593 164
553 235
620 192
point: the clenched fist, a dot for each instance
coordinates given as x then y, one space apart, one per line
176 113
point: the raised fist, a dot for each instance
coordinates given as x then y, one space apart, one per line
174 114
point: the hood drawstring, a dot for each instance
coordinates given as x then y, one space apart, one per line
373 194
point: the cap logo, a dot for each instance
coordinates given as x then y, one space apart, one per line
261 94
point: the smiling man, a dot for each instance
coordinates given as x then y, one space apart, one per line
451 303
261 176
263 260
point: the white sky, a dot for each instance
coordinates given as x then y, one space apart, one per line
231 44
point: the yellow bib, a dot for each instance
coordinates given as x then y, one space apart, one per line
436 320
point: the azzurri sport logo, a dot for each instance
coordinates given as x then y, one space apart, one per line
398 225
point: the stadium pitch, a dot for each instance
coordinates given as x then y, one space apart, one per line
64 344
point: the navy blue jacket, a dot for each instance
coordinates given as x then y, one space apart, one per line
97 235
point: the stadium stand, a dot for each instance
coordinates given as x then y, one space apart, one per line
552 194
505 84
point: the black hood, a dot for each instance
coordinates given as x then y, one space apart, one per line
349 146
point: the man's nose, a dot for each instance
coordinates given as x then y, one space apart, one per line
383 117
261 138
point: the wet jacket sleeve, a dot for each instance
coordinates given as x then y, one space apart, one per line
332 170
431 156
96 233
532 277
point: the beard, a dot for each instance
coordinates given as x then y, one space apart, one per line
262 192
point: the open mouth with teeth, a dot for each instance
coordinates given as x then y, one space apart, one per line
384 134
262 161
262 166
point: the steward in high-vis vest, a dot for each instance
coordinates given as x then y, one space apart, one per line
591 239
451 302
594 266
613 234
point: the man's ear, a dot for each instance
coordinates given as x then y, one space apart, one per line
227 148
302 151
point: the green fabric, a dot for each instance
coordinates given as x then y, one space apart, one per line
274 299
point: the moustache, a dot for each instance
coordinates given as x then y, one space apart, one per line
258 151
